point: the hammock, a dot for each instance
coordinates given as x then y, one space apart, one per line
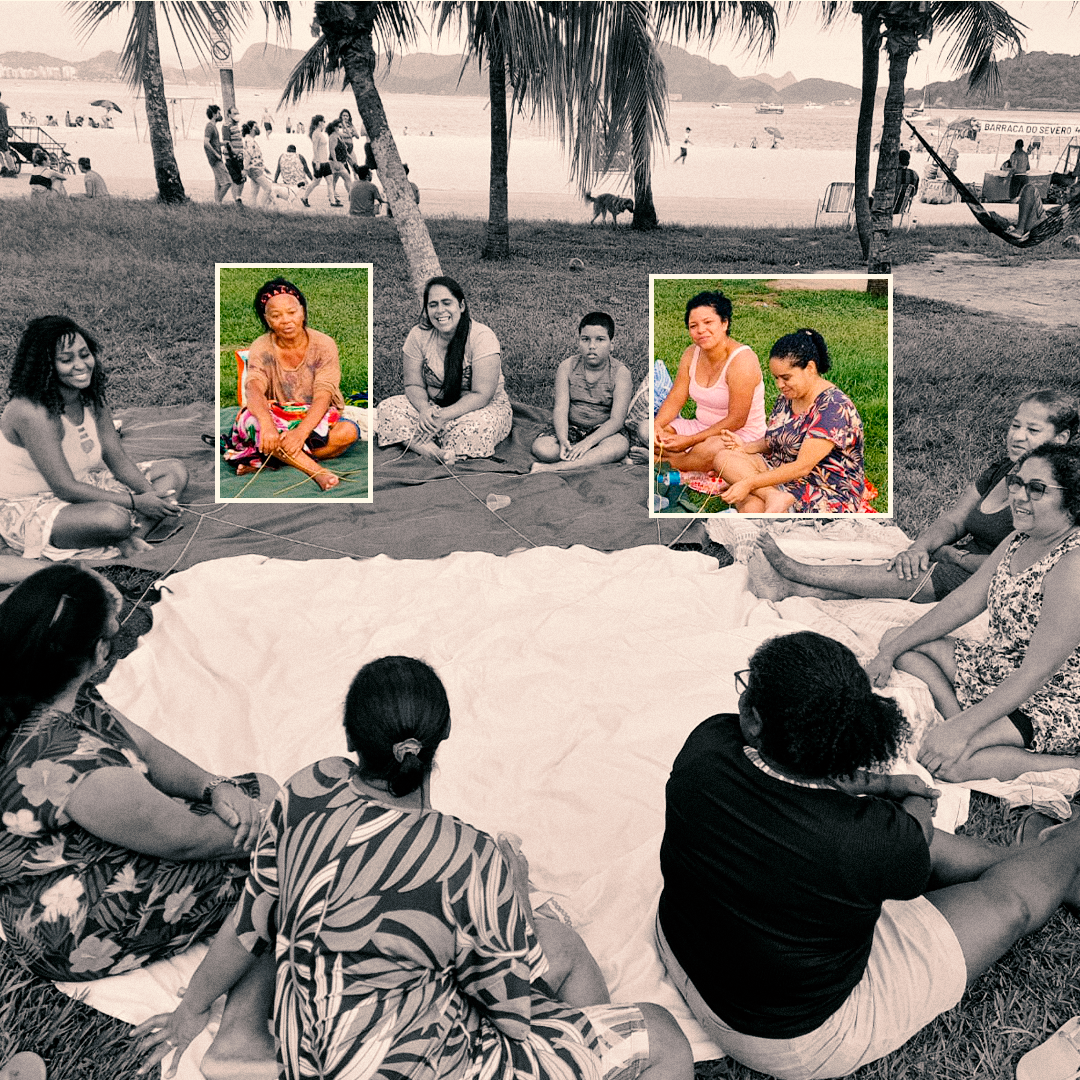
1056 218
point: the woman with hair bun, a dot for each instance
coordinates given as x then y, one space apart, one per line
810 460
812 916
455 403
115 850
406 944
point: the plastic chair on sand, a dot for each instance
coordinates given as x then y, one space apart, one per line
903 204
838 199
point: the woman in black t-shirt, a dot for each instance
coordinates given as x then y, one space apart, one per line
812 917
947 553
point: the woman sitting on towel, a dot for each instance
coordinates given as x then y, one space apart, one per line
293 408
950 550
455 403
810 460
116 850
67 486
811 916
44 179
723 377
405 941
1011 701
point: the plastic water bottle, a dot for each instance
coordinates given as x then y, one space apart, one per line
671 478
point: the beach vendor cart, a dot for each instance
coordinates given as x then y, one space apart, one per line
25 139
936 187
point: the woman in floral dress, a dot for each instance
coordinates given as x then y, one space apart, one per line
810 460
116 850
405 942
1011 700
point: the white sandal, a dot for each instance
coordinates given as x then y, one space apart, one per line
1056 1059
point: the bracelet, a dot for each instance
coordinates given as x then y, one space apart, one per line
208 791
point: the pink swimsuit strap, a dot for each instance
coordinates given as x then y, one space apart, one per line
723 370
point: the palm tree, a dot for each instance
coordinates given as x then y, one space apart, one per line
346 35
520 43
978 30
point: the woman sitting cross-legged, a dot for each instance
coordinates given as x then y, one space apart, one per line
293 409
116 850
406 945
1011 701
67 486
810 459
455 403
947 553
811 916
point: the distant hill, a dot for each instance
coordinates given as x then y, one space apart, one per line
777 84
1037 80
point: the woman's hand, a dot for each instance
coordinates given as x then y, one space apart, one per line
565 450
942 747
154 506
431 421
880 669
730 441
737 493
950 553
238 812
909 564
168 1033
292 443
897 786
269 439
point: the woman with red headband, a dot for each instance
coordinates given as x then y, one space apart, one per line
293 409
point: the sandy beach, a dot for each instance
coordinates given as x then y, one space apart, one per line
719 184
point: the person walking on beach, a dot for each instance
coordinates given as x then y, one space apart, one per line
232 145
267 122
320 156
7 163
681 159
212 147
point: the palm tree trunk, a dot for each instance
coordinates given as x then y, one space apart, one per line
497 235
358 60
644 210
170 187
901 44
871 55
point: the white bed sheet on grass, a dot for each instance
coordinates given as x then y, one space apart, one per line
574 678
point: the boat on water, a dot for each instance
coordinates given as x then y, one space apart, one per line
813 105
720 105
770 107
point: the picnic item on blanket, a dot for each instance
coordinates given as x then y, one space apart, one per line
1056 1059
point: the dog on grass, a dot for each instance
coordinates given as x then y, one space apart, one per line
288 195
605 204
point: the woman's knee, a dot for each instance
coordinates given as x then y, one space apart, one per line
668 1046
546 448
108 521
618 444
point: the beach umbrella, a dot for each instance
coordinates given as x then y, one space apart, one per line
108 106
775 132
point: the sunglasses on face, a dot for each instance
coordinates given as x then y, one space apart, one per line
1035 489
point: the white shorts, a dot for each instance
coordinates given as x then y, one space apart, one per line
916 971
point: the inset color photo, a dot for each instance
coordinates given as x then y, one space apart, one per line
771 395
294 348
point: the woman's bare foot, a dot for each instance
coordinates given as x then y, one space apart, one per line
244 469
132 546
639 455
775 554
765 582
776 502
326 479
429 449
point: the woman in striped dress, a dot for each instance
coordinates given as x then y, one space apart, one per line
405 942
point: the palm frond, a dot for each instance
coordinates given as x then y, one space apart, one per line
979 31
754 22
314 71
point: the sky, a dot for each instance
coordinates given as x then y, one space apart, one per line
803 48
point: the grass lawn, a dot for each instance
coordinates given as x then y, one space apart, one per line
337 302
854 324
141 277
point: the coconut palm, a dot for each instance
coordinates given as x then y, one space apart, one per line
140 61
346 35
978 31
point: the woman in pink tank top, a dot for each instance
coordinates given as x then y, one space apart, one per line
723 377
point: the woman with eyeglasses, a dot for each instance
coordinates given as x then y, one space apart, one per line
115 850
1011 701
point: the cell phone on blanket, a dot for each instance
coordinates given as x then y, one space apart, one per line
166 527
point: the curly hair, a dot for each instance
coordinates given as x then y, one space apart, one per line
49 628
33 374
392 700
819 714
1064 462
802 347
